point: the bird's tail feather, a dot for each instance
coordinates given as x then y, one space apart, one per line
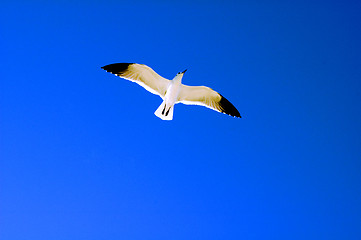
163 112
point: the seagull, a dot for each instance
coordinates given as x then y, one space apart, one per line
171 91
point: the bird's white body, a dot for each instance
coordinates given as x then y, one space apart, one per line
165 110
171 91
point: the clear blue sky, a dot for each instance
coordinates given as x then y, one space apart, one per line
82 156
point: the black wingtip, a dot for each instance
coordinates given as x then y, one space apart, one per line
228 108
116 68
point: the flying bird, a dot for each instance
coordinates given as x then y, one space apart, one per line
172 91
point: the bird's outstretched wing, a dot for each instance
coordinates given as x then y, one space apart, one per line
140 74
207 97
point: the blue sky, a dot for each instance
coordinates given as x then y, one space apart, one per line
84 157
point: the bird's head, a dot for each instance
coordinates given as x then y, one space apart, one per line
179 76
182 72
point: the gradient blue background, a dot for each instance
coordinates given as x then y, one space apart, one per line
84 157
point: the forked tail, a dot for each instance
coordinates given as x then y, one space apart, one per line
164 112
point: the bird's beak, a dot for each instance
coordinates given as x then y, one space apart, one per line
184 71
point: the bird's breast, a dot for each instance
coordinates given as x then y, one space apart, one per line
172 93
